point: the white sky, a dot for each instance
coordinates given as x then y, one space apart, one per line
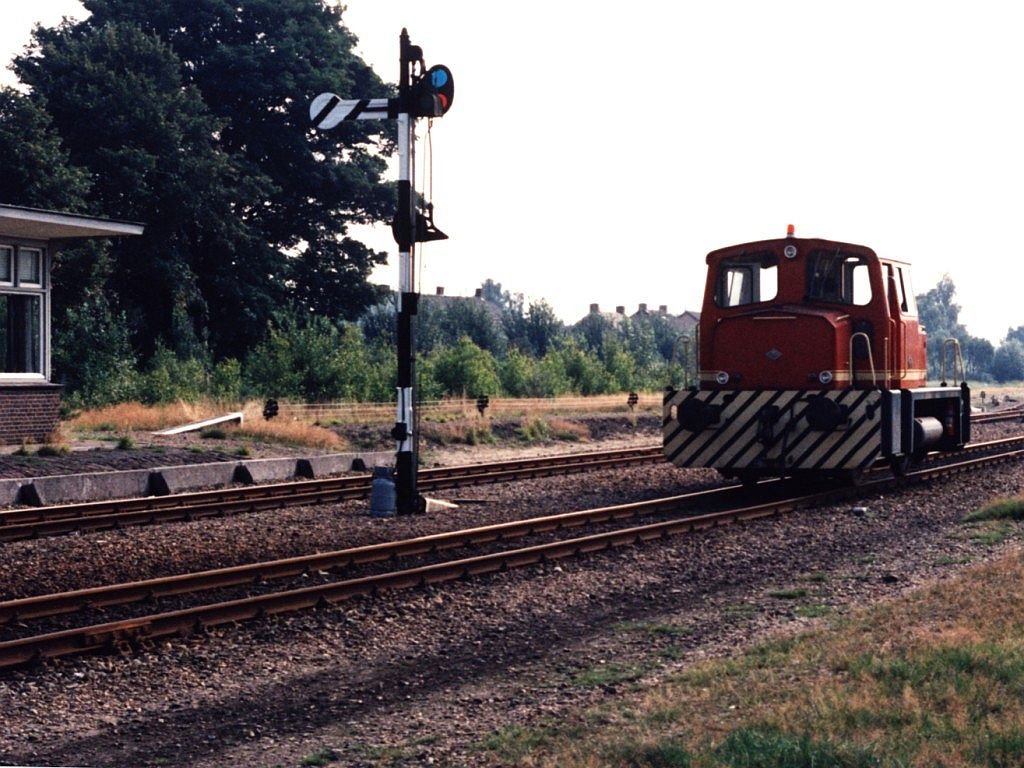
596 151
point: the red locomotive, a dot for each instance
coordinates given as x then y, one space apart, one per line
811 360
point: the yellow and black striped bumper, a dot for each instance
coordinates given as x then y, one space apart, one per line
779 431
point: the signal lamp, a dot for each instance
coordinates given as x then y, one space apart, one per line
433 93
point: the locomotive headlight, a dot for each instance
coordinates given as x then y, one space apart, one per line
722 377
825 377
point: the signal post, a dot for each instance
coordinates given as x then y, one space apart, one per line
427 93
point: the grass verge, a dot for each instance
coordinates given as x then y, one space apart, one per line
935 678
126 419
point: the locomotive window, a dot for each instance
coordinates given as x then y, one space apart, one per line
907 302
838 278
747 280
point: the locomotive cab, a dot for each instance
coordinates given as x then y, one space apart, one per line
808 313
811 358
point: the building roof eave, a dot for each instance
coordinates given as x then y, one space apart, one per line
38 224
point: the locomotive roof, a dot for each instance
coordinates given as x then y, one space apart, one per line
804 244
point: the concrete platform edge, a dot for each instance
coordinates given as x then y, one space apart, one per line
158 481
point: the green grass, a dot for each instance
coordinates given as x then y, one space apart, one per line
321 757
1003 509
741 609
607 674
992 533
663 753
788 594
652 628
769 747
935 678
513 743
813 611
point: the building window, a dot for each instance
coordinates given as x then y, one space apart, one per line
23 312
21 333
6 259
30 269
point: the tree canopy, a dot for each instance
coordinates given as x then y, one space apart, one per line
192 117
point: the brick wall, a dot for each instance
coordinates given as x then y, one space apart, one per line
28 412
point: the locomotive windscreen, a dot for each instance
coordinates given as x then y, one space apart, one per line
747 279
837 277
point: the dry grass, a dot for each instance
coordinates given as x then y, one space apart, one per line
459 431
932 679
564 429
540 429
465 408
283 430
129 418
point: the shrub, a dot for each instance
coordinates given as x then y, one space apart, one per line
168 378
226 381
311 360
465 369
92 355
53 450
534 430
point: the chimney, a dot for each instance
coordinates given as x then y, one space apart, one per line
643 309
594 309
479 293
620 310
440 290
663 309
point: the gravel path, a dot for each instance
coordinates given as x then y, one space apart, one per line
423 677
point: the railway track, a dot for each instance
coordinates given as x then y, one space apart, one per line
1010 414
671 516
33 522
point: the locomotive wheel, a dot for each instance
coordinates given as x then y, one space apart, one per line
899 465
851 477
748 479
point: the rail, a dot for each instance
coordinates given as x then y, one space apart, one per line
126 632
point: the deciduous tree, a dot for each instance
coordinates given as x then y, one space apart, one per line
192 116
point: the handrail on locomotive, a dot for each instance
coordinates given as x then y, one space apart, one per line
871 359
957 360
